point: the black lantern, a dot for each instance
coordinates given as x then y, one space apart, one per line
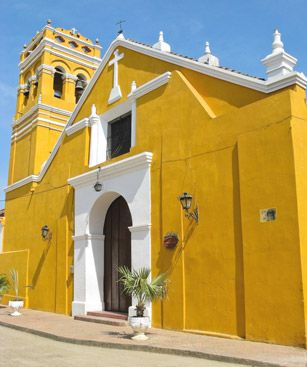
45 231
98 186
186 202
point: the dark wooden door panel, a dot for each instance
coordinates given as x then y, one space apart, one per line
117 253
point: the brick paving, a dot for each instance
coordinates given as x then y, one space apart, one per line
65 328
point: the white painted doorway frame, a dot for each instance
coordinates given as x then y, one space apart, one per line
129 178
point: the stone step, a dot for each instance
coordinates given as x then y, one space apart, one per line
109 315
101 320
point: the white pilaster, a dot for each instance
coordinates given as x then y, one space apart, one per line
98 145
88 273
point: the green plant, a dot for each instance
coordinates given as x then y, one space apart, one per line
4 284
136 284
15 282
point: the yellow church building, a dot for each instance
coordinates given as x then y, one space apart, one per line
102 151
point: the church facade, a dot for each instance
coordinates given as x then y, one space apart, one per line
102 151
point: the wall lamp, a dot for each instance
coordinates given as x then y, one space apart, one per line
98 185
186 201
46 233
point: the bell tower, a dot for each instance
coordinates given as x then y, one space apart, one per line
54 69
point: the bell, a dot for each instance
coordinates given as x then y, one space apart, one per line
79 85
26 91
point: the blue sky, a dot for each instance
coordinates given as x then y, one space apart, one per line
239 32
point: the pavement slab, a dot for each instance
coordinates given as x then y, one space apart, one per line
65 328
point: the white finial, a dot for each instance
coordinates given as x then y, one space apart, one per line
120 36
277 45
207 48
93 112
133 86
278 63
161 45
208 58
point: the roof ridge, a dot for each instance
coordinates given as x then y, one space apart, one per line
194 59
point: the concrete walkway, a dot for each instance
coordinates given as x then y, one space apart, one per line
66 329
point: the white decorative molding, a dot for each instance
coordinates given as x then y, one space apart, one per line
32 123
56 31
24 181
45 67
129 178
118 168
140 228
77 126
23 65
115 93
71 76
41 106
151 85
161 45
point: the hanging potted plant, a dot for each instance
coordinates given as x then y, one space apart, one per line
136 284
4 285
170 239
16 303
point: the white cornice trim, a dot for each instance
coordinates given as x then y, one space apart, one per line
64 56
41 106
77 126
139 161
73 38
23 65
60 47
286 80
30 126
151 85
24 181
31 44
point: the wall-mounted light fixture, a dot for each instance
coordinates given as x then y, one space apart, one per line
98 185
186 202
46 233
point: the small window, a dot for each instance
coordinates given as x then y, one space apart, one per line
59 39
58 82
73 44
119 136
86 49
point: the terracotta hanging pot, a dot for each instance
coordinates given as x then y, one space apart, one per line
170 240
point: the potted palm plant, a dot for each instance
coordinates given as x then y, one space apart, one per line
4 285
136 284
16 303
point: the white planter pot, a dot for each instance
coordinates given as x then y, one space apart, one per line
16 305
139 325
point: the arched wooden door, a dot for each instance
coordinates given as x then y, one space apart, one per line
117 252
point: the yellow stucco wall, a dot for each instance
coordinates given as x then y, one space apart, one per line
233 152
